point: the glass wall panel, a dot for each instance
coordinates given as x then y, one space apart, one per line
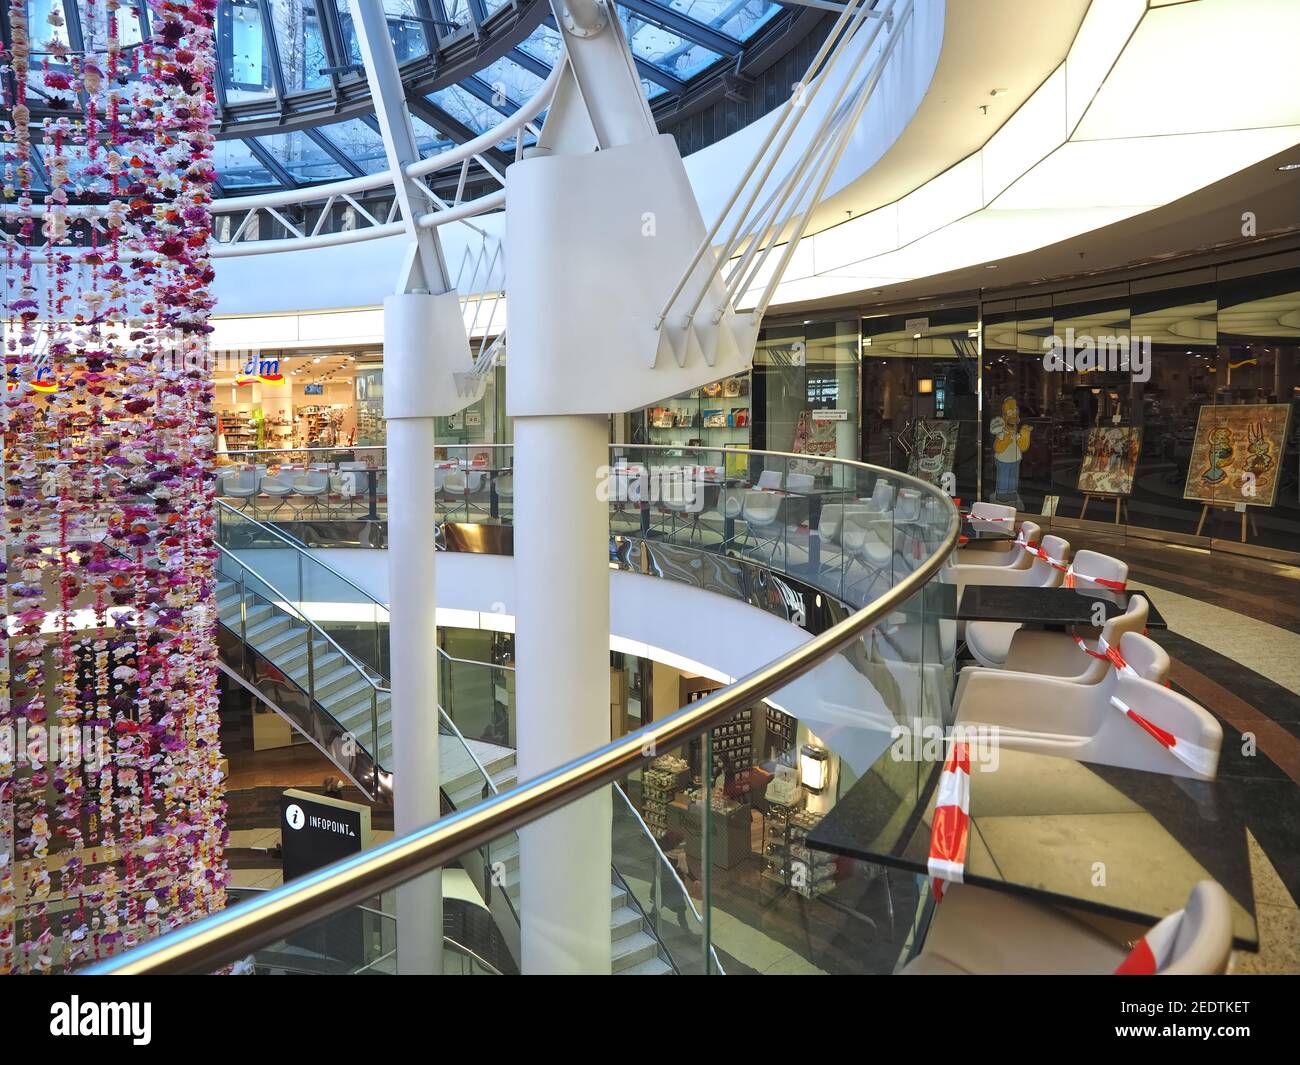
238 168
1179 324
355 139
243 49
302 157
1257 392
299 39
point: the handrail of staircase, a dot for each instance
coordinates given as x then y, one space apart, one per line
220 938
376 681
289 542
620 793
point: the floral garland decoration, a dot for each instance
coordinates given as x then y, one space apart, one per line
112 818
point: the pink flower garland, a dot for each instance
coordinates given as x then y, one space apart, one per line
109 637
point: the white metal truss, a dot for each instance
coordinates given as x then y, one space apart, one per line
775 213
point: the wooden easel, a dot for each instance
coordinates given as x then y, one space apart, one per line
1119 500
1205 513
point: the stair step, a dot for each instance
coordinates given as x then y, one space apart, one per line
623 922
632 950
655 966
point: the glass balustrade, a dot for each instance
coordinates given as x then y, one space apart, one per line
703 852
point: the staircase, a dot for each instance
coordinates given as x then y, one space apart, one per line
351 696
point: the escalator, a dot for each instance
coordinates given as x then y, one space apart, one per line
312 645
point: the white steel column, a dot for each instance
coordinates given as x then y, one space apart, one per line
562 685
562 544
411 330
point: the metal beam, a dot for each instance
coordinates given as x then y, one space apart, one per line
389 96
687 27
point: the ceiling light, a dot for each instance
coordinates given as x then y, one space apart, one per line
1289 166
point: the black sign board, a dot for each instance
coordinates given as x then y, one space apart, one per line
313 833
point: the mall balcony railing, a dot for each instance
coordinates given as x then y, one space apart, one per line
890 661
843 527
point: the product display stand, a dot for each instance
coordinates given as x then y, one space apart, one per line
1245 511
1120 501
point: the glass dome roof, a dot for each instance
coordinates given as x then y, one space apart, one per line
294 102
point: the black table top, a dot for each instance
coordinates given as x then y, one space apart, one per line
1047 606
1116 842
985 531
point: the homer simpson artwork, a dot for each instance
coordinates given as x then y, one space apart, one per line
1010 442
1236 454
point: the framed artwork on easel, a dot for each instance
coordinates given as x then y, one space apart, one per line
1236 457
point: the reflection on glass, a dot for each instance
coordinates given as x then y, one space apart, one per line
302 157
740 20
238 168
242 46
359 142
300 44
663 48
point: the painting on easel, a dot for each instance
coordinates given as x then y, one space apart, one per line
934 449
1110 460
1237 454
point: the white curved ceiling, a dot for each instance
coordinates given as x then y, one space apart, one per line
1150 104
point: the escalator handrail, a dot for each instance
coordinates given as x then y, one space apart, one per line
212 941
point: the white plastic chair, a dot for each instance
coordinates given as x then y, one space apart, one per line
312 486
800 482
241 484
770 480
978 931
990 641
278 487
762 515
1051 715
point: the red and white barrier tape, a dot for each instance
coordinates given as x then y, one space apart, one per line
950 828
1108 653
1072 576
1153 950
1038 551
1200 759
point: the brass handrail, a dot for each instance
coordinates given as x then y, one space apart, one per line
211 942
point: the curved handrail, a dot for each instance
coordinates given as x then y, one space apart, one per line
287 604
213 941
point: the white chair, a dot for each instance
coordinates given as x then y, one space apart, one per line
989 642
979 931
241 484
761 512
770 480
455 492
312 486
800 482
476 492
868 541
279 487
1057 654
882 497
1091 722
505 486
682 500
